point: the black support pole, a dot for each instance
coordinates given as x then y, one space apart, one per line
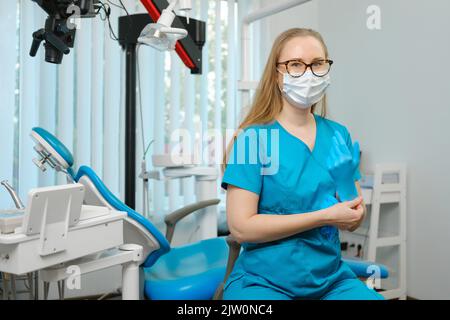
130 28
130 126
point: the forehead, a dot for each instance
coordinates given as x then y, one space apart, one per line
306 48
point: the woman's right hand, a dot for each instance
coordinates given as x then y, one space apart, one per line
346 215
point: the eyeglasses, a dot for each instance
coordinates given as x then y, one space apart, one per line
297 68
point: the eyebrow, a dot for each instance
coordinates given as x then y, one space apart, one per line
299 59
315 59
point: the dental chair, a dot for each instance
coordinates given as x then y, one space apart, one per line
189 272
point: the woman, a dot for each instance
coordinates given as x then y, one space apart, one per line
285 175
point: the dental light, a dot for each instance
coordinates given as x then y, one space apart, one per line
161 35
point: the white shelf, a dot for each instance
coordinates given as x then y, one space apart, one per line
382 193
388 197
388 241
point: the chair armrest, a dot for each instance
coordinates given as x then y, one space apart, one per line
233 254
234 251
172 219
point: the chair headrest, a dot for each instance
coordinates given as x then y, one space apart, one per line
49 144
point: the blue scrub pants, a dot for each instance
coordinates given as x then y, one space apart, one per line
348 289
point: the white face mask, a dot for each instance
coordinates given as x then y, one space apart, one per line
305 91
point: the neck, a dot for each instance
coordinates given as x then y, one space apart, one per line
295 116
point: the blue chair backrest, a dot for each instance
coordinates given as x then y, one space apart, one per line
117 204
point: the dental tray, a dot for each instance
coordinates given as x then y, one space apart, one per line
173 161
10 220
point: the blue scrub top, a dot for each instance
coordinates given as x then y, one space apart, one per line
289 179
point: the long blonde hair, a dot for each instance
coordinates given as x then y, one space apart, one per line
268 100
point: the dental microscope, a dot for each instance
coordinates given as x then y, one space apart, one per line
59 31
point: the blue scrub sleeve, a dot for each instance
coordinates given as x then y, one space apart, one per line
244 169
348 140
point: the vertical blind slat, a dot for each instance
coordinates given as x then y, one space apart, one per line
243 6
47 109
83 63
147 75
218 82
159 128
7 94
218 67
65 104
111 107
231 63
175 91
29 113
97 82
189 108
204 84
47 102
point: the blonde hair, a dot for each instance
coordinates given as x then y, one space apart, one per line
268 100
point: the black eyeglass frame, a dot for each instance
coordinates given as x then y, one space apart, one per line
285 63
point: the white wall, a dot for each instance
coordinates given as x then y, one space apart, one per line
304 16
391 89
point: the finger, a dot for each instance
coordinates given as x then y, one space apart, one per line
361 210
329 162
343 227
356 225
335 155
335 143
339 137
358 215
330 158
341 143
350 228
355 202
356 154
333 158
344 150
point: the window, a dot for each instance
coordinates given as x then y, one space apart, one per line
82 100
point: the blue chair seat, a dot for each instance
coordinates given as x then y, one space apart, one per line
364 269
190 272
